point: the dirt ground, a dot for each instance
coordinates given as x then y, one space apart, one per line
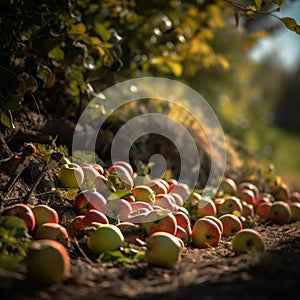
215 273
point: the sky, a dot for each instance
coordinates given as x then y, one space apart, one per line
284 45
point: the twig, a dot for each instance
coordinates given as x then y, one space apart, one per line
26 155
53 163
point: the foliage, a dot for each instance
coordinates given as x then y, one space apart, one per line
57 50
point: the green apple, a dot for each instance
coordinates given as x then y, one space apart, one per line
206 233
231 204
228 186
143 193
247 240
71 175
44 214
47 262
106 237
163 250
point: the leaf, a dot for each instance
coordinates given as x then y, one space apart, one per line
6 119
258 4
29 81
102 32
77 29
278 2
291 24
57 54
119 194
44 73
175 67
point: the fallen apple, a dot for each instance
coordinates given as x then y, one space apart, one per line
52 231
163 250
131 232
165 201
295 210
22 211
182 235
44 214
89 199
118 209
263 210
143 193
231 224
228 186
247 240
106 237
124 164
206 233
71 175
231 204
280 212
183 220
47 262
157 186
216 220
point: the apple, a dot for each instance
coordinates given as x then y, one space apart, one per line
216 220
70 175
183 220
89 199
44 214
250 186
231 204
77 226
129 198
159 220
22 211
206 233
106 237
248 209
118 209
218 201
171 182
123 175
280 212
247 240
248 196
163 250
90 173
124 164
92 216
143 193
95 166
205 207
47 262
140 204
100 183
231 224
295 197
137 216
157 186
263 210
295 210
131 232
228 186
182 189
52 231
282 193
177 199
165 201
182 234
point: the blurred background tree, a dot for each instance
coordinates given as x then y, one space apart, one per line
55 56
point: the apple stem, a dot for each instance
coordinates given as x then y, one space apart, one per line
55 158
28 151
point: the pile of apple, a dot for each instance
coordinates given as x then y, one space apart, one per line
113 209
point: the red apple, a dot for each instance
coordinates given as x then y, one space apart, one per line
282 193
157 186
47 262
78 226
248 209
118 209
92 216
44 214
95 166
231 224
247 196
217 221
165 201
206 233
157 220
88 199
137 216
123 164
295 196
182 234
140 204
177 198
280 212
249 186
22 211
182 189
171 182
184 221
228 186
263 210
123 175
52 231
100 183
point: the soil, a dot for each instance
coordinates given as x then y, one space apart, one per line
215 273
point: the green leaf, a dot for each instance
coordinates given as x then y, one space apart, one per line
57 54
6 119
119 194
29 81
44 73
103 32
291 24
